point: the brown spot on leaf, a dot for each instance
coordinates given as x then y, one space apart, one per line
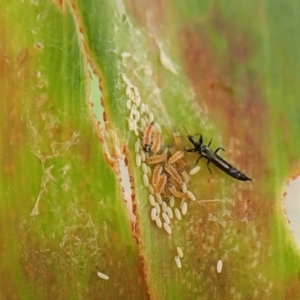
236 99
60 3
147 12
22 57
38 46
292 290
12 129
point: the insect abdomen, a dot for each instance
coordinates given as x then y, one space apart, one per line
233 172
230 170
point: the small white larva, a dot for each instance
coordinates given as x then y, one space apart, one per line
179 251
149 171
172 201
146 109
167 228
137 98
129 104
126 80
145 168
134 125
133 109
151 199
157 207
142 108
146 119
137 146
157 127
158 222
151 189
102 275
182 201
184 187
159 199
166 218
136 90
194 170
191 195
184 208
138 160
169 212
130 125
151 117
164 206
137 116
129 91
178 262
143 155
153 213
143 123
125 54
177 214
136 132
219 266
146 180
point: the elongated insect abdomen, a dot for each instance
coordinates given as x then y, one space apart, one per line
176 156
156 173
177 138
160 184
156 144
157 159
175 192
233 172
147 137
173 172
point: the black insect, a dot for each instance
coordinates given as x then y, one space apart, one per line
213 157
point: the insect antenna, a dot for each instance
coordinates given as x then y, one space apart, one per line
190 134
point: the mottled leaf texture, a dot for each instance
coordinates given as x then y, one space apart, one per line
79 82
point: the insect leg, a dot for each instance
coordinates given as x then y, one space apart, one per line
209 142
220 148
198 159
201 139
191 150
208 166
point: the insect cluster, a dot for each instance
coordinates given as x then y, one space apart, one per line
169 177
165 171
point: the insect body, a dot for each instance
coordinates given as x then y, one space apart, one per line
173 173
148 137
152 160
156 144
156 174
176 156
160 183
213 157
